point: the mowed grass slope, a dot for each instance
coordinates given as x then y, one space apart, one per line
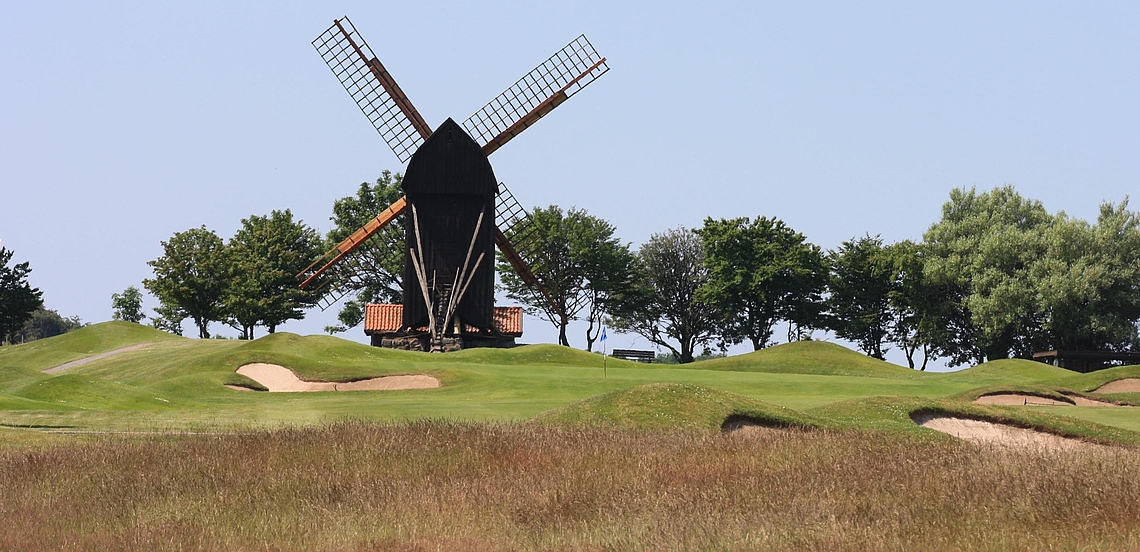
180 383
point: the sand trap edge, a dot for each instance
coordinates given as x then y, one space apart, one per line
1123 385
279 379
1030 399
991 433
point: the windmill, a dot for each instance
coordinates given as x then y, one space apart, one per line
454 212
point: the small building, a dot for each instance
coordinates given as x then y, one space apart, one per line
1087 361
384 323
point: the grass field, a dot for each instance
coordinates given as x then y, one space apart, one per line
177 383
539 447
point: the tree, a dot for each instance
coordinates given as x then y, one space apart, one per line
583 265
128 306
1019 279
169 319
191 277
1087 281
760 272
45 323
267 253
860 286
18 299
915 303
381 280
982 251
663 304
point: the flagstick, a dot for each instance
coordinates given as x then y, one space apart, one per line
604 374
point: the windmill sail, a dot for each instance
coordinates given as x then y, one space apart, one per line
373 89
566 72
520 242
347 266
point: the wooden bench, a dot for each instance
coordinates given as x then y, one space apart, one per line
634 355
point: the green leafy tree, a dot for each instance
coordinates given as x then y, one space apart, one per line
1020 279
663 304
381 281
584 264
915 304
18 299
862 279
983 251
191 277
45 323
128 305
267 252
1087 281
168 319
761 272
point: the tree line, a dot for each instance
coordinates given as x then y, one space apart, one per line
250 280
997 276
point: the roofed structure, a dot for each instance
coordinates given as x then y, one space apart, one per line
383 323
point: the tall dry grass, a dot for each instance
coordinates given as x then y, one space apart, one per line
461 486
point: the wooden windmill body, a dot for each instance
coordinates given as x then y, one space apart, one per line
454 211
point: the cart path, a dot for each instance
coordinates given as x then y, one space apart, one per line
93 358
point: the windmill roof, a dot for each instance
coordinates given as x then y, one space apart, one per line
384 318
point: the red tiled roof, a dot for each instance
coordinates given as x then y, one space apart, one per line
382 318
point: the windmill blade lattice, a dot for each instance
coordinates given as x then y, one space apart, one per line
536 94
365 265
372 88
525 241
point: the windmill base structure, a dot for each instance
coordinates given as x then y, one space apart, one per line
454 212
382 324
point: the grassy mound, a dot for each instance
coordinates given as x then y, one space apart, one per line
1027 390
325 358
540 355
84 342
894 415
808 357
672 406
1012 371
1093 380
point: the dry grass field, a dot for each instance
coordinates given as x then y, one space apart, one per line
433 485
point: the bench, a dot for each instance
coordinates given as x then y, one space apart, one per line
634 355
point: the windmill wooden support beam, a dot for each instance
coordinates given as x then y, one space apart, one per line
350 243
398 96
389 85
539 111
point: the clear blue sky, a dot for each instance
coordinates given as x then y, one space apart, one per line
122 123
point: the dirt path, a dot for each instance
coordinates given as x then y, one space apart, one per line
93 358
279 379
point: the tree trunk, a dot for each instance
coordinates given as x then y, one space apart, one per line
686 350
562 323
590 338
910 350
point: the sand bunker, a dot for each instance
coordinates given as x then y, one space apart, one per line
279 379
990 433
1015 399
747 427
1126 385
